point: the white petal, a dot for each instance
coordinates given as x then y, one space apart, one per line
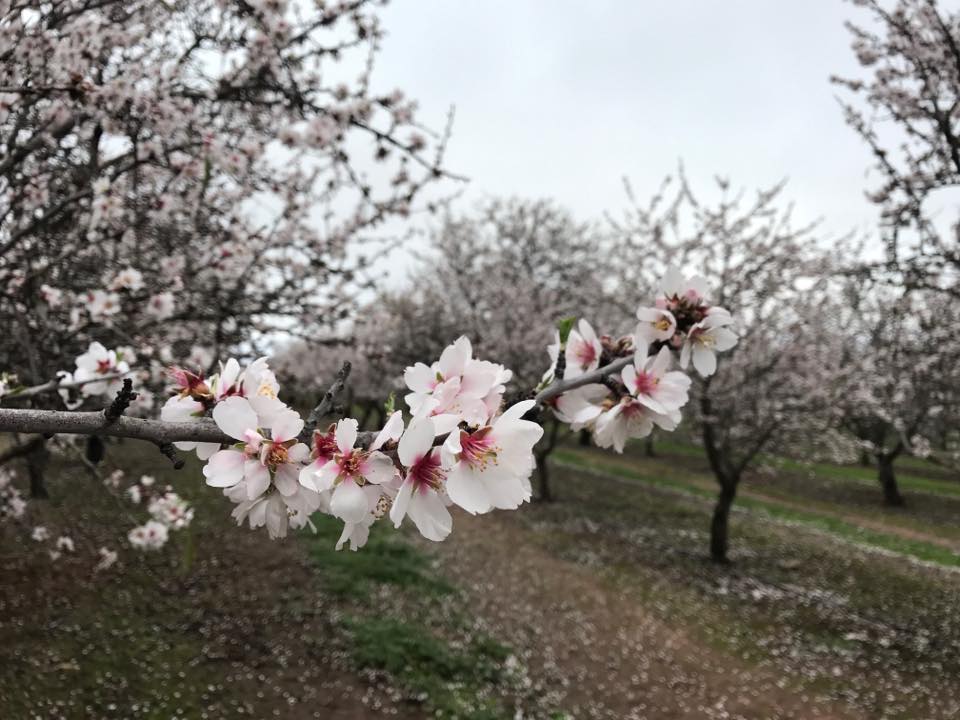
224 469
346 434
235 416
286 479
704 360
416 441
286 425
349 502
378 468
430 515
419 378
392 430
398 510
466 490
257 477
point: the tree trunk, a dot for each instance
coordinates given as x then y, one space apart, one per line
720 523
865 459
541 452
648 446
367 413
36 464
888 481
544 494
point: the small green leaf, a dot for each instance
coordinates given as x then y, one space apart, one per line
390 404
565 325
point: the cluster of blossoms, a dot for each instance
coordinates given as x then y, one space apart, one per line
7 383
459 447
98 372
12 504
647 392
168 511
62 544
460 443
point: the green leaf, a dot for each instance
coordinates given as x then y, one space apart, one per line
391 403
565 325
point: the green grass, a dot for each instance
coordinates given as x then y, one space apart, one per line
910 480
429 652
868 476
454 682
386 559
918 549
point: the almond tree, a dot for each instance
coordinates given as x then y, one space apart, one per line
905 109
481 273
180 178
897 373
771 392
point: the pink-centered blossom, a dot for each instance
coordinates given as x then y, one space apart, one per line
262 463
457 386
583 351
706 339
98 362
422 497
490 467
350 469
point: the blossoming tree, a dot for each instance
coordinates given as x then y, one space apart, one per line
897 376
773 391
529 256
180 178
904 108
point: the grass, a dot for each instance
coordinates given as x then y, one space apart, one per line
829 619
419 637
386 559
844 529
911 480
454 682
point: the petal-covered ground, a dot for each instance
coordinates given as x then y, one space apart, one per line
599 605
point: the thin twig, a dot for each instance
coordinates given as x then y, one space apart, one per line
326 404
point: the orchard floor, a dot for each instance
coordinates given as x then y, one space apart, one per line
598 605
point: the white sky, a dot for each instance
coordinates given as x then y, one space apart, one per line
562 99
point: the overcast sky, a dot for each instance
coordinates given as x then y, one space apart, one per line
562 99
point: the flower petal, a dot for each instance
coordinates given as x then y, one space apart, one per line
235 416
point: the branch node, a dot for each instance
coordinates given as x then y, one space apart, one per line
121 402
170 452
326 404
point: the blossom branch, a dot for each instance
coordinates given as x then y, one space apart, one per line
559 387
53 422
57 385
326 404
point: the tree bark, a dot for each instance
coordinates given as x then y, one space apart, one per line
36 464
541 452
888 481
720 523
544 494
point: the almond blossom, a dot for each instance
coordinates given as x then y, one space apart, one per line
705 339
653 385
580 408
456 385
257 460
490 467
152 535
583 350
422 496
96 362
655 398
655 324
349 470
